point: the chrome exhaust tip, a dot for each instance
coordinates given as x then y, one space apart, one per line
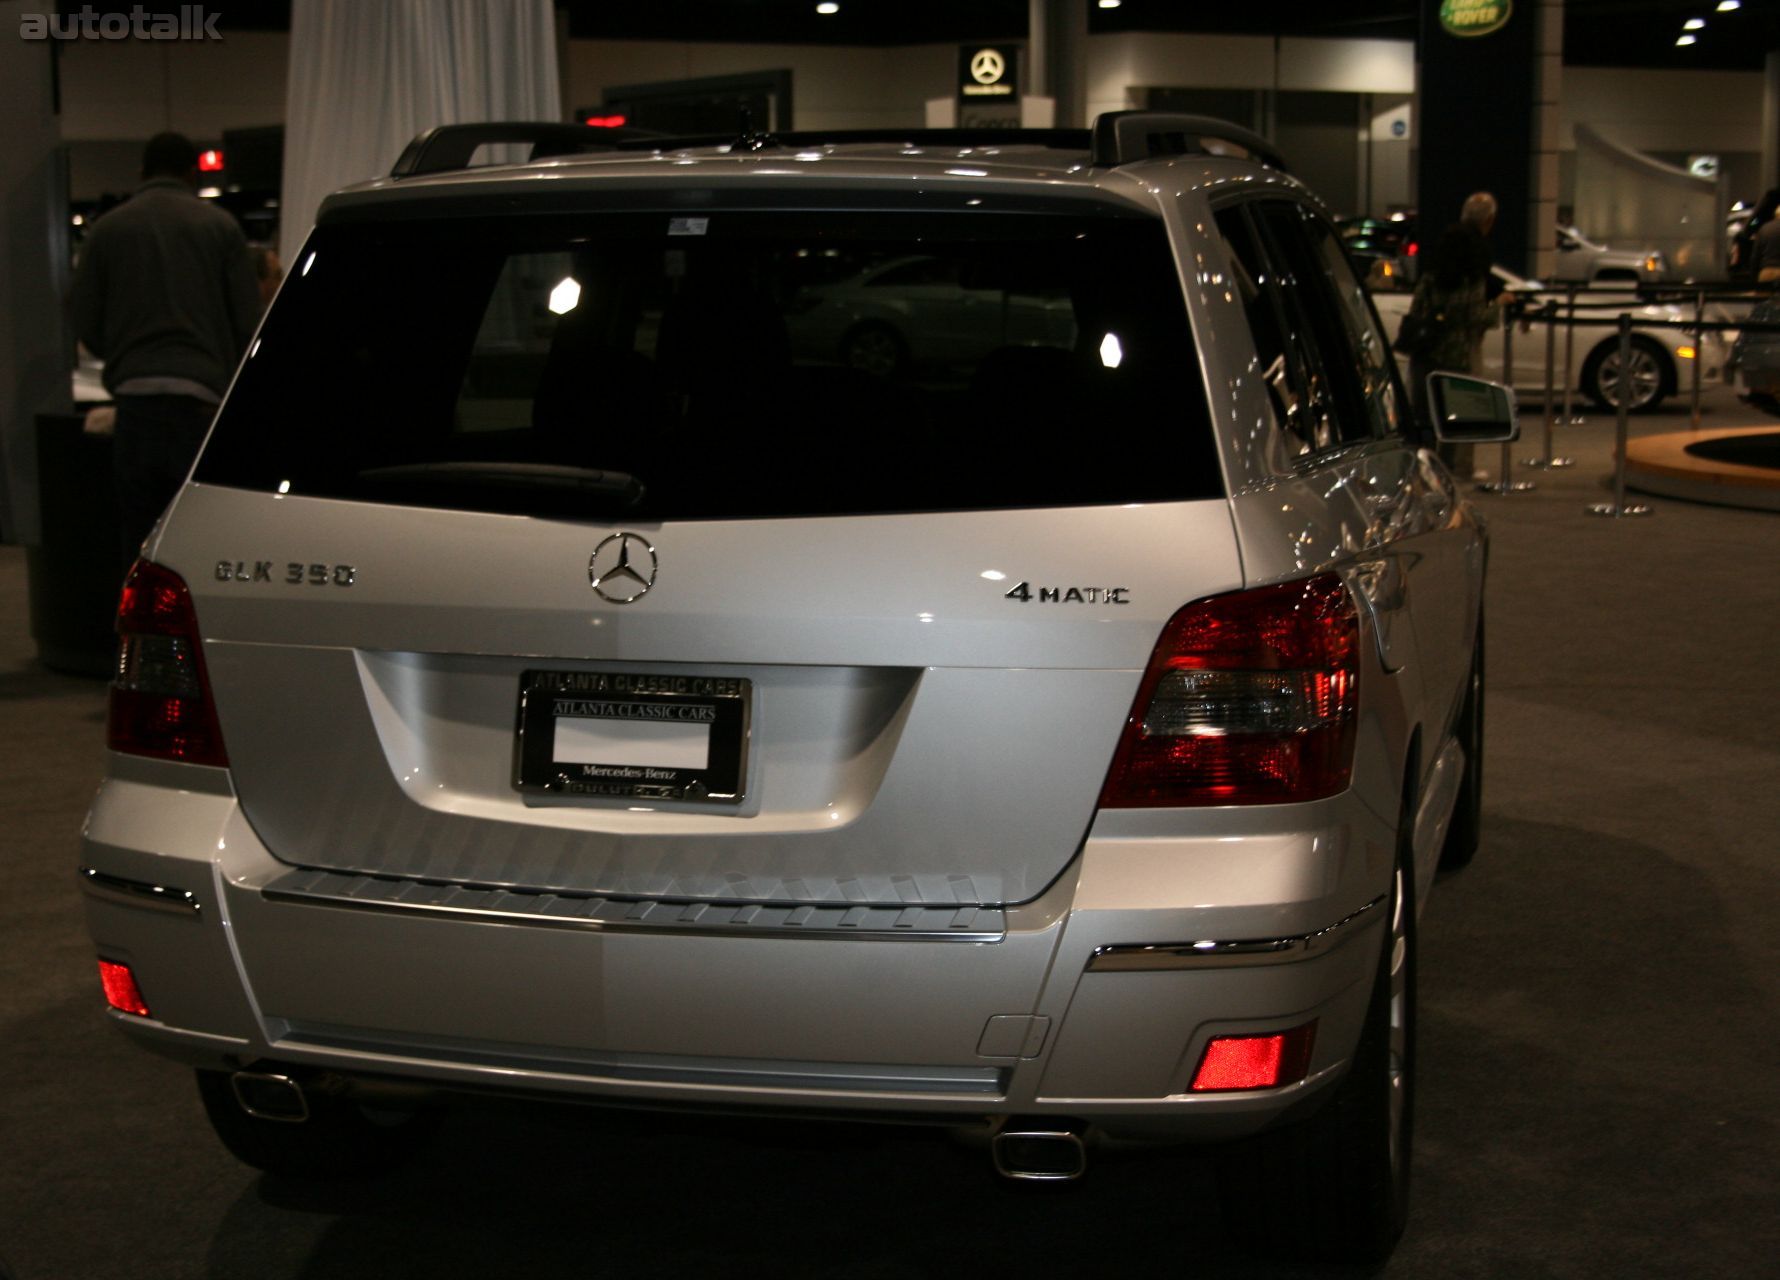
268 1096
1040 1151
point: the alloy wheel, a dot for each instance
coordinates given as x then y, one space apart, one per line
1647 377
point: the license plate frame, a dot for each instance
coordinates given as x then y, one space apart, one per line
609 705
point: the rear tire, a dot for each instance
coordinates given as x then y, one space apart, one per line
340 1139
1335 1188
1465 831
1653 375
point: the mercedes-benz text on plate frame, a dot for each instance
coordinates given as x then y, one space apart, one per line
622 568
651 736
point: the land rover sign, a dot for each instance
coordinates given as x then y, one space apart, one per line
1475 17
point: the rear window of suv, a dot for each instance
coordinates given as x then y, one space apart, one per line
729 364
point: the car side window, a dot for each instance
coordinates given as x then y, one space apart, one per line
1253 279
1376 365
1340 413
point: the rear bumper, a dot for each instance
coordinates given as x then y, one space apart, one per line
1093 1001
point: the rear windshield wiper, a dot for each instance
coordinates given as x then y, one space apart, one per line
509 476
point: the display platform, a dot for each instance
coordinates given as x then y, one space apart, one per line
1736 467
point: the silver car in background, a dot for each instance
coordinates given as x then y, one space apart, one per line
1591 262
557 679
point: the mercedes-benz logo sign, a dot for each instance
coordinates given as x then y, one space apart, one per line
987 67
622 568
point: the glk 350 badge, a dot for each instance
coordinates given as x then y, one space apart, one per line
292 573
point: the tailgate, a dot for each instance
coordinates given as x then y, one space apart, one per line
909 732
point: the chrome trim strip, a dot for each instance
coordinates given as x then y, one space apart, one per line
557 910
139 893
647 1068
1154 957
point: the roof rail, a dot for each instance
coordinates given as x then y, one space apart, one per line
1063 139
1118 137
1123 136
450 146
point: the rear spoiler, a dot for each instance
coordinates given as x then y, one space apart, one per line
450 146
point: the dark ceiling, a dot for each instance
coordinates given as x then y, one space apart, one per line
1624 33
1615 33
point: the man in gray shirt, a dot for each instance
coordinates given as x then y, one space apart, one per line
165 295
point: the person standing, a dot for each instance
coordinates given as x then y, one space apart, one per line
1741 259
1764 245
1455 307
165 294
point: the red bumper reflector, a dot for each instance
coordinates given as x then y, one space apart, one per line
121 992
1255 1062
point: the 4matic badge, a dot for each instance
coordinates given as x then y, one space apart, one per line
1026 593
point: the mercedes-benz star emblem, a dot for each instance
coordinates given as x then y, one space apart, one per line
622 568
987 67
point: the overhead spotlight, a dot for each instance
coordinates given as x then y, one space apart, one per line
1684 41
828 7
1110 4
1694 24
1726 6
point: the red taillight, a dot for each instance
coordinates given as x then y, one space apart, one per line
604 122
121 991
1248 699
1255 1062
160 697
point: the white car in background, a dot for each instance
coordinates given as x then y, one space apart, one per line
1662 358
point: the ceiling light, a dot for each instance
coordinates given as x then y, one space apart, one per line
1694 24
1684 41
1725 6
828 7
1109 4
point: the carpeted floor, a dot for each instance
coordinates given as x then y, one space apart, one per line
1600 1010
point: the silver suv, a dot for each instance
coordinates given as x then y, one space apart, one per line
566 671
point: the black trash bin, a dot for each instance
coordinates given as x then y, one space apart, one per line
74 571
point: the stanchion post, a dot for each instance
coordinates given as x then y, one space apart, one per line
1699 349
1506 483
1618 506
1570 419
1550 461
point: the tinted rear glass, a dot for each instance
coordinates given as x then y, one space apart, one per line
735 364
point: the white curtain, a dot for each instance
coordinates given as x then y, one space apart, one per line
367 75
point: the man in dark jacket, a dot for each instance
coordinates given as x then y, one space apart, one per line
165 295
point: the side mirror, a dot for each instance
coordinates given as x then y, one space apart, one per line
1471 410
